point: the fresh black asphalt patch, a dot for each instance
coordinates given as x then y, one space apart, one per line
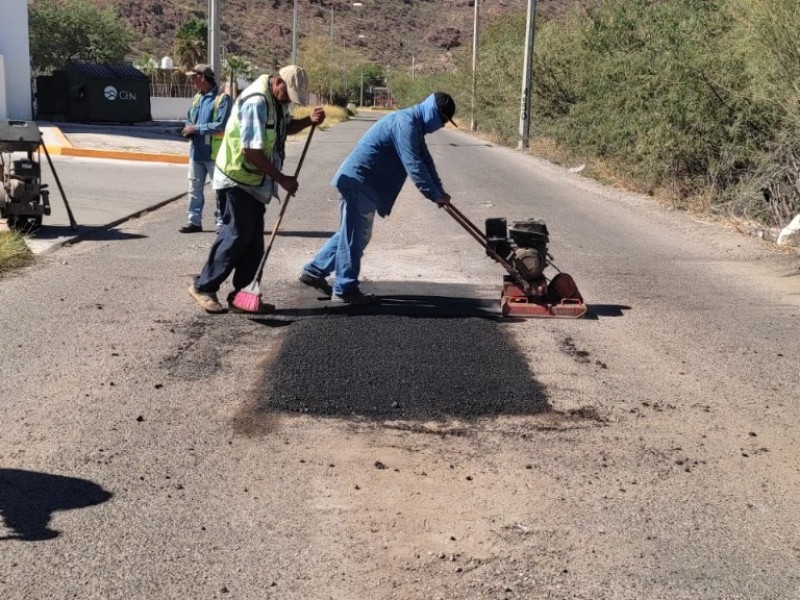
431 356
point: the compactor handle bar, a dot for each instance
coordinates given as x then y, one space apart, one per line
473 230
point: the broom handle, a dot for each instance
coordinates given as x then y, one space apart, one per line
73 224
473 231
283 208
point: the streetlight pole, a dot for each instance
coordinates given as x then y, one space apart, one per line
213 37
294 33
344 59
475 27
330 64
360 5
527 79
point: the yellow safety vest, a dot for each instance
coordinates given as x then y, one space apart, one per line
231 159
216 138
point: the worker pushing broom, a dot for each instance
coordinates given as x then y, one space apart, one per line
369 181
249 170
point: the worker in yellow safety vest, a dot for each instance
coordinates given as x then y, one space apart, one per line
205 127
249 170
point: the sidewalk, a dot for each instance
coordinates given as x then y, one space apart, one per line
158 141
102 197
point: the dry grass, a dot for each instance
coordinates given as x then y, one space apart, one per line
698 202
14 253
333 114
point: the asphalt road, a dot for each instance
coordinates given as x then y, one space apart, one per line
423 448
101 193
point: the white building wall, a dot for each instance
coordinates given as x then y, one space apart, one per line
15 78
3 107
169 109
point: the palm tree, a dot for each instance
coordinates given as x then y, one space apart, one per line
147 64
235 67
190 43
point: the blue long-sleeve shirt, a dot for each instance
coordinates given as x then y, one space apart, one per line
391 150
202 117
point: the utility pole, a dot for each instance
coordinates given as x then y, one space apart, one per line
344 58
527 79
473 125
294 33
330 64
213 37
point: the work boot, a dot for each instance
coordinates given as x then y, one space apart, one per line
190 228
354 298
208 302
318 283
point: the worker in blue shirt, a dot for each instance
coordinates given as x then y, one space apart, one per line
205 127
369 181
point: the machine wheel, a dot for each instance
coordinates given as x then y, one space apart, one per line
24 223
16 222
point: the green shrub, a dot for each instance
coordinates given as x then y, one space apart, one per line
767 35
670 94
655 93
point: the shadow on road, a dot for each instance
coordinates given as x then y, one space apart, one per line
28 499
305 234
605 310
407 305
55 232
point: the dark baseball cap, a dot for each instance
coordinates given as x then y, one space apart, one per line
446 107
202 69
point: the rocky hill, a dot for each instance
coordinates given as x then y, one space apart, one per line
387 31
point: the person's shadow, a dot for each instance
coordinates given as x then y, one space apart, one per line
28 499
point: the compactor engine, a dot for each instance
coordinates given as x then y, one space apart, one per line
24 199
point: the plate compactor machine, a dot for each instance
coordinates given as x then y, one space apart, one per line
24 199
521 249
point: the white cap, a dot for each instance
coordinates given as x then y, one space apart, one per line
296 83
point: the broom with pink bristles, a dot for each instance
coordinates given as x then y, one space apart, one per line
248 299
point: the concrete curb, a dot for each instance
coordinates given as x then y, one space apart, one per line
117 155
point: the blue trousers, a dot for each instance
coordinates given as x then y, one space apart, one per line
198 171
239 244
343 251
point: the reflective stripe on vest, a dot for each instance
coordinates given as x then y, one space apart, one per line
231 159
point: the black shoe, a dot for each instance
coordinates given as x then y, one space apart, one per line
190 228
318 283
356 298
